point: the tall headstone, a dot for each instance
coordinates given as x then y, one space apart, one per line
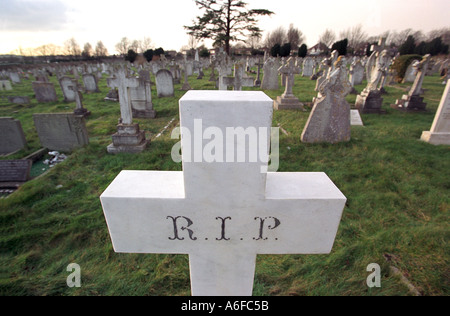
440 130
329 121
413 101
223 214
370 100
61 131
288 101
12 137
129 138
308 65
164 83
80 109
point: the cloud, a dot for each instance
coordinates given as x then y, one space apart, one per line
32 15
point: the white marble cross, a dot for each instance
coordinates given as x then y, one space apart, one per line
223 210
123 82
290 70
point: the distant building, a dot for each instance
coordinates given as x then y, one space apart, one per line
318 49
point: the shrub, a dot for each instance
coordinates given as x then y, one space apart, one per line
275 51
131 56
303 51
149 55
285 50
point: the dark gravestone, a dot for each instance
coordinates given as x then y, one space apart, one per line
12 137
62 131
14 172
44 91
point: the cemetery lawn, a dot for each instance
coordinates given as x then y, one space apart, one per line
397 214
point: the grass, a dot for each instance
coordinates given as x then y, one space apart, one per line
397 189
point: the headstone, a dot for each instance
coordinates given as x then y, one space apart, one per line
440 130
355 118
356 73
129 138
223 214
61 131
288 101
370 100
411 72
164 83
329 121
90 83
141 100
13 173
12 137
238 81
413 101
69 94
44 91
308 65
23 100
5 85
80 109
14 76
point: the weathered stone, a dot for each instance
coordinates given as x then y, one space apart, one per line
12 137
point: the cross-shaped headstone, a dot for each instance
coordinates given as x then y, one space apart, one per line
79 110
238 81
290 70
378 48
123 82
224 208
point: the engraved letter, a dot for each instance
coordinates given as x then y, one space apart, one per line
223 228
183 228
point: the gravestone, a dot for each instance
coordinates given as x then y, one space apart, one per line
355 118
14 76
5 85
13 173
223 214
329 121
164 83
288 101
12 137
411 72
141 100
90 83
356 73
80 109
413 101
440 130
308 65
238 81
44 91
65 83
129 138
61 131
370 99
23 100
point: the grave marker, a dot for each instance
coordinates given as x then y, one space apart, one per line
61 131
12 137
222 214
440 130
14 172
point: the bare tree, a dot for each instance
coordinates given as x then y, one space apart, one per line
100 49
87 51
135 44
193 42
356 36
294 37
72 48
123 46
277 36
254 41
145 44
328 37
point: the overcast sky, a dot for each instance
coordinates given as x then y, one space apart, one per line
32 23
